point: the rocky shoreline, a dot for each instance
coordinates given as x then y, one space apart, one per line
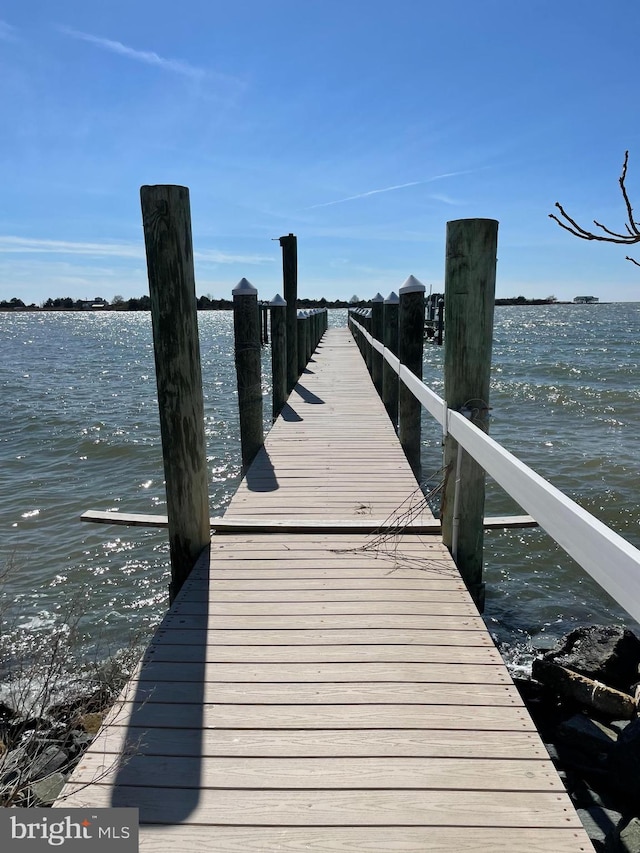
38 753
583 697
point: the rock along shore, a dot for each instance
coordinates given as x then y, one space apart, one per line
583 696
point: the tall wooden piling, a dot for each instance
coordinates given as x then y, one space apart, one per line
368 349
470 276
390 340
246 329
377 330
166 221
410 349
309 337
278 354
440 321
289 246
302 331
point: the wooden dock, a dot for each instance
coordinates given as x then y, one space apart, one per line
328 691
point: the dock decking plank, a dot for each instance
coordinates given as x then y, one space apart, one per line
333 691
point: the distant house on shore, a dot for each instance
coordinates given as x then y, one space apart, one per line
583 300
97 304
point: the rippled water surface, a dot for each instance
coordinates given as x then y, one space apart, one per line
565 399
80 431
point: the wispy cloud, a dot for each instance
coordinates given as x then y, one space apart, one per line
391 189
147 57
214 256
445 199
33 246
7 32
27 245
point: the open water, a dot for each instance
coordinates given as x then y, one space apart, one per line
79 430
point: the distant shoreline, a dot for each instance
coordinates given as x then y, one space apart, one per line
206 304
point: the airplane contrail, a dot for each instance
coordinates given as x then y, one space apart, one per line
390 189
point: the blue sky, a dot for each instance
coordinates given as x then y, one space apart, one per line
362 127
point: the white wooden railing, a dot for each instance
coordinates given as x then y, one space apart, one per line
605 555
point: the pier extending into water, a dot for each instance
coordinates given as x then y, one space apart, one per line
323 678
331 687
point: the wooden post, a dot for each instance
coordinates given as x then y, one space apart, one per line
377 330
311 333
440 321
167 234
265 322
390 340
410 348
278 354
290 292
317 328
309 337
302 343
470 277
246 330
431 306
368 349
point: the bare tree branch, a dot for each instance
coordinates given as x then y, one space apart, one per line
623 189
630 238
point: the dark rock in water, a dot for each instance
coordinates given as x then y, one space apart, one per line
11 766
608 654
45 791
581 700
91 701
619 726
626 839
625 763
601 826
584 796
6 713
48 760
595 739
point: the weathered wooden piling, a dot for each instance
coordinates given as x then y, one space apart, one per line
166 221
302 332
264 306
440 321
410 349
377 330
289 246
470 276
278 354
430 306
309 339
390 340
246 328
365 322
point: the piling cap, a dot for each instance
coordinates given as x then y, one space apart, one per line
378 298
392 299
244 288
412 285
278 301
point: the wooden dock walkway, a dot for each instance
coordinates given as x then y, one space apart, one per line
328 691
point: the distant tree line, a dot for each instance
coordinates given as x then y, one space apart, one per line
143 303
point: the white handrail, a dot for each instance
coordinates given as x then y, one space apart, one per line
432 403
605 555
